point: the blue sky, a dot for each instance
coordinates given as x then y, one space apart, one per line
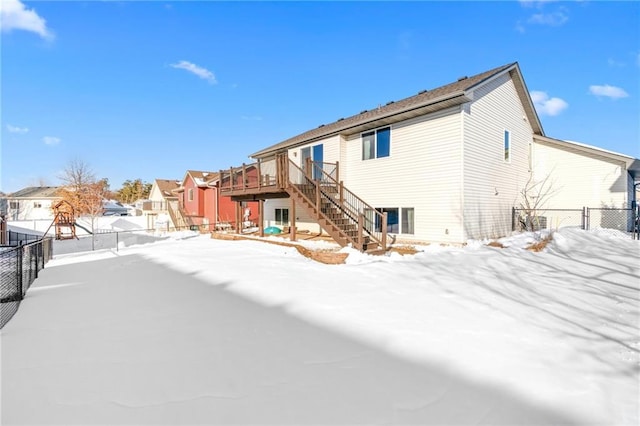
150 89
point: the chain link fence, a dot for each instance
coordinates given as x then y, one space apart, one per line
618 220
107 241
19 267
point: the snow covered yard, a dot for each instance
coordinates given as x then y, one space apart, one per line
203 331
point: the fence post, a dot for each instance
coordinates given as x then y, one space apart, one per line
586 218
37 258
513 219
19 271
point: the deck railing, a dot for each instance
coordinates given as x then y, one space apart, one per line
319 183
258 175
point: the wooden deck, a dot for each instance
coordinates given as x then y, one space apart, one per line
315 187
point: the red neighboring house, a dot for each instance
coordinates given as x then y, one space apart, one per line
202 205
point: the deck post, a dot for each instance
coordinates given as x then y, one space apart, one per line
244 177
259 175
360 237
337 171
261 217
317 185
292 220
238 208
341 193
384 231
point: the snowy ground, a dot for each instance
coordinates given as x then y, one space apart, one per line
202 331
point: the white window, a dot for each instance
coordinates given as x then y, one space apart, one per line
190 194
399 220
507 146
408 220
376 144
282 217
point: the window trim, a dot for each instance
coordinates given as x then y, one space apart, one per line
374 132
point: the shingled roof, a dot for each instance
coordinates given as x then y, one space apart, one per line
38 192
165 186
437 98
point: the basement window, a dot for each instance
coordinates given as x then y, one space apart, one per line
282 217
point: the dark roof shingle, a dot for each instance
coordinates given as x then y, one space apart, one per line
425 97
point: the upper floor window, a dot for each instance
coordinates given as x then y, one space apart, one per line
507 146
376 144
190 194
37 205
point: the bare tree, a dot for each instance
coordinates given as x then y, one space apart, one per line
534 196
83 191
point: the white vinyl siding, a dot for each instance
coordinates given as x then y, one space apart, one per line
29 209
423 173
491 183
330 146
304 222
580 179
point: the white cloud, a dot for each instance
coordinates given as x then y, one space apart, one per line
203 73
554 19
15 129
15 16
546 105
612 92
616 64
532 3
51 140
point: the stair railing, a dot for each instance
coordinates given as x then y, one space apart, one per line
373 222
319 187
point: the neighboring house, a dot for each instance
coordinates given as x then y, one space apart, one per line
196 204
445 165
201 205
161 199
32 203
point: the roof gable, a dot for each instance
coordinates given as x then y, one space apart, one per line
199 178
165 186
424 102
632 164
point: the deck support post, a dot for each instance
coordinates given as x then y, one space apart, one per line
292 220
238 217
261 217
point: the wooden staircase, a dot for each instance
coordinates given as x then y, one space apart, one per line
176 215
340 213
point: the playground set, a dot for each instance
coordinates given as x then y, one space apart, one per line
64 221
